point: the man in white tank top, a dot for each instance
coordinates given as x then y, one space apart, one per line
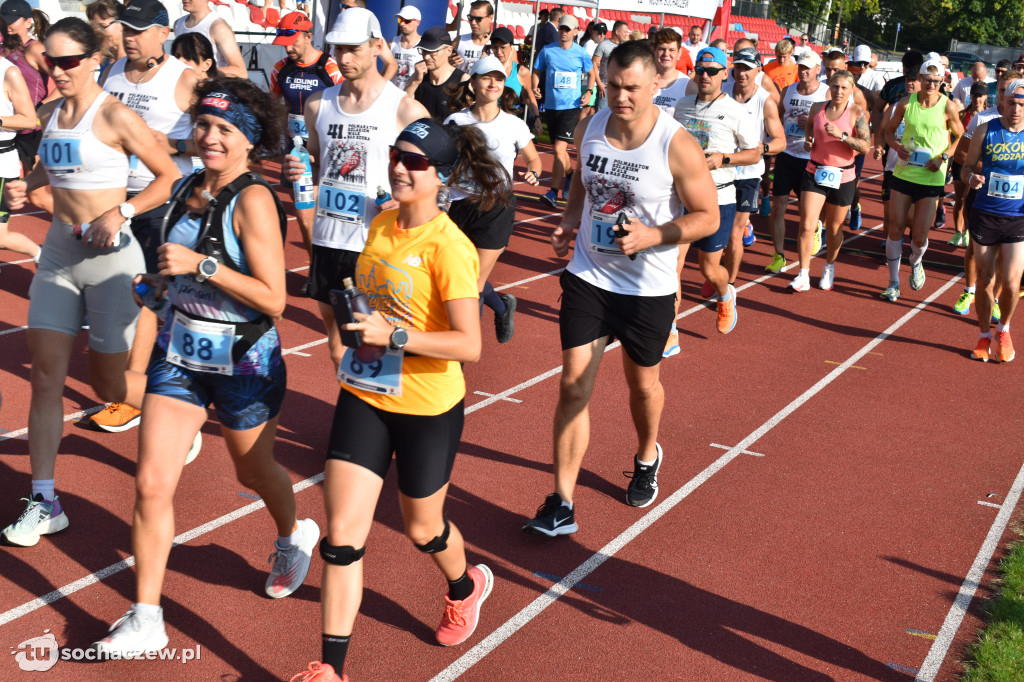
404 45
350 126
790 165
202 19
158 88
639 167
759 103
667 46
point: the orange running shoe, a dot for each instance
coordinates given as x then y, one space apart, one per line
318 672
727 313
1004 347
460 617
983 350
117 417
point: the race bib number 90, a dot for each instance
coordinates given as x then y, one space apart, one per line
828 177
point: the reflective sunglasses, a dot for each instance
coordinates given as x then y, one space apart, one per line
473 19
65 63
709 70
286 32
411 160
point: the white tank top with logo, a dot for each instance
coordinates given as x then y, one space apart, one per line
203 27
798 105
666 98
353 164
153 100
406 59
755 107
637 182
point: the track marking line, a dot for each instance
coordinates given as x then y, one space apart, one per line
491 395
957 611
67 418
745 452
542 602
12 330
919 633
990 504
833 362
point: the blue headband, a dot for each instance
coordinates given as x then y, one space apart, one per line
228 107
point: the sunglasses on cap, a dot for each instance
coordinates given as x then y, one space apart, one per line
411 160
65 63
287 32
709 70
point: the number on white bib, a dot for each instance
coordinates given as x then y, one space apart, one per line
342 204
297 126
201 346
383 375
602 234
1006 186
919 157
794 129
828 176
61 155
565 80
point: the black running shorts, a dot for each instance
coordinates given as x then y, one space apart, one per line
990 229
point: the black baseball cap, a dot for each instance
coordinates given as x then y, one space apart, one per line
434 38
142 14
600 27
12 10
504 35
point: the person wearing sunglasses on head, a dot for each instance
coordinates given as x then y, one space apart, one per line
470 47
730 137
201 18
350 126
304 72
89 258
639 170
488 219
564 65
16 113
435 77
403 47
931 130
402 391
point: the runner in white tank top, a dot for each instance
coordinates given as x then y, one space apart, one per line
636 165
18 113
763 108
202 19
351 127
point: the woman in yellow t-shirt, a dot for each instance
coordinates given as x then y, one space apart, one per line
419 272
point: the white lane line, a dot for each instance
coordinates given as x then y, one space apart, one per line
745 452
11 331
955 616
68 418
990 504
538 605
102 574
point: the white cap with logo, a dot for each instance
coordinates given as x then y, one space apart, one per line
410 13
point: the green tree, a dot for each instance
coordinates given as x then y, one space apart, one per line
996 22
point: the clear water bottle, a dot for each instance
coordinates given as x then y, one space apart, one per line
303 187
160 305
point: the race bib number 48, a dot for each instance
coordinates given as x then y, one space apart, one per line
565 80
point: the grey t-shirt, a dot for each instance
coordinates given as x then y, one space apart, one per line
602 51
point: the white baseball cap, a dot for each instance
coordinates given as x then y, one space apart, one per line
410 13
354 26
487 64
939 68
862 53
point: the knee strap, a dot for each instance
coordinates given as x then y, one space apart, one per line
438 544
340 555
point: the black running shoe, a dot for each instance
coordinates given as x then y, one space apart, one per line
644 487
505 325
304 289
553 518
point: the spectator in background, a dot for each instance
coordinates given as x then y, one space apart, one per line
694 44
962 91
596 33
619 34
685 63
548 32
720 44
860 66
636 34
103 16
201 18
783 70
435 75
471 45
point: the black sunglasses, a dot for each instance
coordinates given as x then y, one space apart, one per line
470 18
65 63
411 160
709 70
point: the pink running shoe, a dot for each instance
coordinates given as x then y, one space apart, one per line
318 672
460 617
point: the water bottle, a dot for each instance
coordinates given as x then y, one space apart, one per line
303 188
382 196
123 239
365 353
149 299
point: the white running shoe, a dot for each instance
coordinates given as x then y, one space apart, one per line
292 564
133 635
193 452
800 283
39 518
828 276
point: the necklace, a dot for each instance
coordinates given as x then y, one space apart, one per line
704 110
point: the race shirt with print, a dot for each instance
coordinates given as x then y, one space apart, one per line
755 108
353 164
296 83
565 72
1002 163
637 183
666 98
408 275
406 59
471 52
721 126
797 105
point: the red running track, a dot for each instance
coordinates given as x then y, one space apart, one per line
828 486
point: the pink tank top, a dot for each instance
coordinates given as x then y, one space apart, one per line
831 151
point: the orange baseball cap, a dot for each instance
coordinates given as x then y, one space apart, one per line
290 25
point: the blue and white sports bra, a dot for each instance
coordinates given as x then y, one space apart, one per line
75 158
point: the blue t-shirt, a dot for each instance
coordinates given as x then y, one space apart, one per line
565 72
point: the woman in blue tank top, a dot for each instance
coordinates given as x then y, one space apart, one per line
997 218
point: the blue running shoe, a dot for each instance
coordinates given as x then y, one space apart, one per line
748 235
856 221
550 198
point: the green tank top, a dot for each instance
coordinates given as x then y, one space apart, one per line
925 136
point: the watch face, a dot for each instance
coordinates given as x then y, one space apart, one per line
208 267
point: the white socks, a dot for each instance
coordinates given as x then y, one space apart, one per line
893 254
917 253
43 487
284 542
149 611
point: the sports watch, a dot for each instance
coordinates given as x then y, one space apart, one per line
127 210
181 146
399 338
945 156
207 268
